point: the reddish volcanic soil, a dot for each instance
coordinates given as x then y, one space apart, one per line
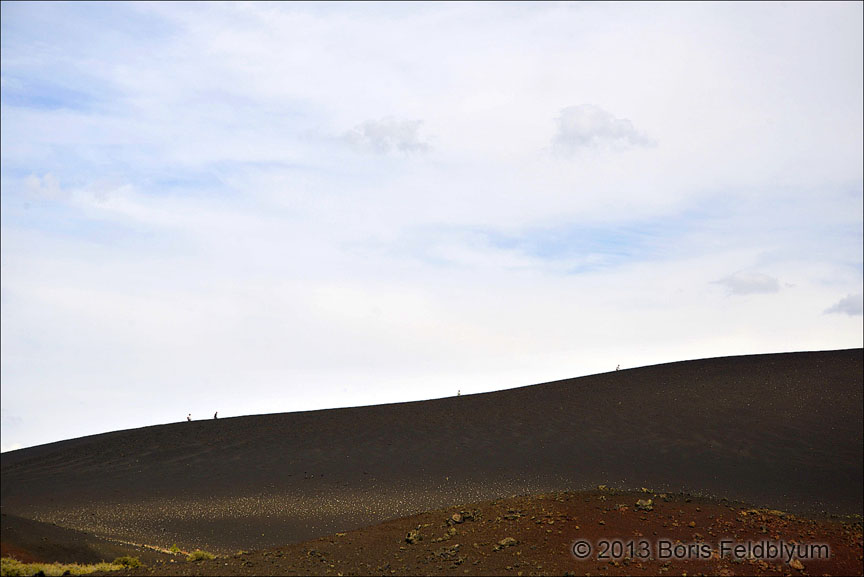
536 536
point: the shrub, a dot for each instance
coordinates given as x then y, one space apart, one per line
198 555
126 561
174 549
13 567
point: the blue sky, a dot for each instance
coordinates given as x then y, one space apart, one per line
258 208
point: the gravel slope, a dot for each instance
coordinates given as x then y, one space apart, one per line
783 431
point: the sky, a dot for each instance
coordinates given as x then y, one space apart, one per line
258 208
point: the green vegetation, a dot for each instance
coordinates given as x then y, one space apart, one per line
198 555
126 561
174 549
12 567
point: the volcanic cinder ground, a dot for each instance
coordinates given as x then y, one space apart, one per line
780 431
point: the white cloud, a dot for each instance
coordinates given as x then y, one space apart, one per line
45 187
852 305
745 283
388 134
587 126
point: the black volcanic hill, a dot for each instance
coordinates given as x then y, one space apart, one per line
780 430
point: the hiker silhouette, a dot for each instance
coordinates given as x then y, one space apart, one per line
216 415
189 417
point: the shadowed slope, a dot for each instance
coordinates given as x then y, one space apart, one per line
34 542
780 430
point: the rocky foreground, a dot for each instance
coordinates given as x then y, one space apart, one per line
613 533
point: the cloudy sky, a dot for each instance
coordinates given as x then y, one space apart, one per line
254 208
